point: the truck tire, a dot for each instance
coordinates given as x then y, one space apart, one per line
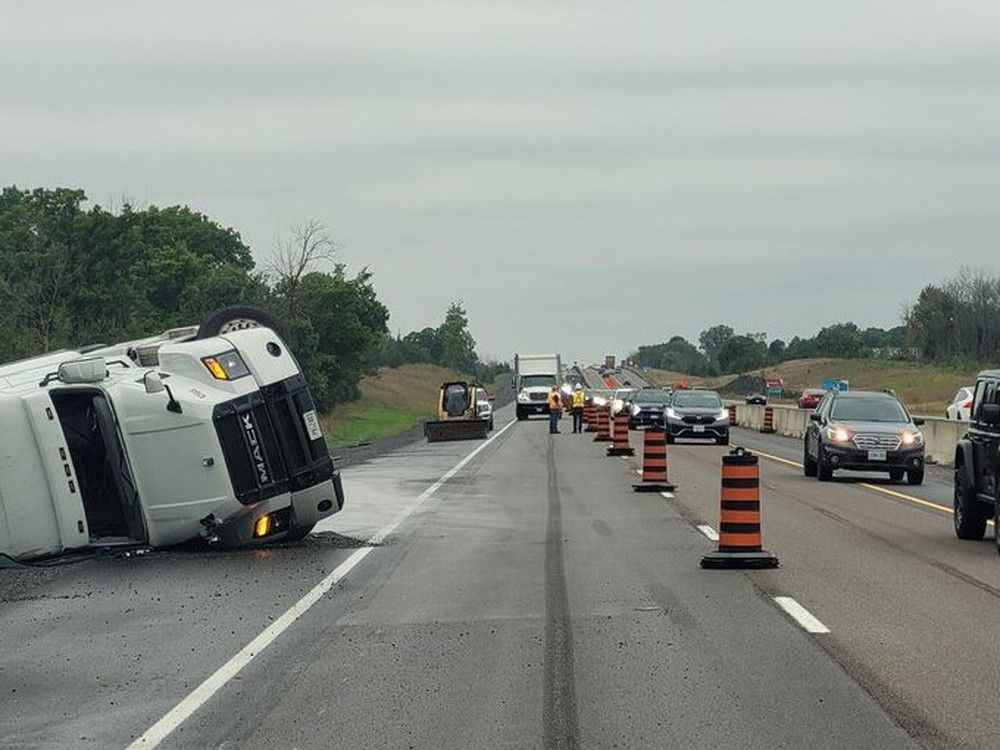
896 475
969 516
237 318
670 438
521 415
916 476
808 462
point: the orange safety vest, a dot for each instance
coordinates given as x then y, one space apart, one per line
554 403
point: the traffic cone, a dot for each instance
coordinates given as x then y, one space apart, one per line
740 536
619 435
603 425
654 462
732 415
768 425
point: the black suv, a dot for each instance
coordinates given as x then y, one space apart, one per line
646 407
864 431
977 462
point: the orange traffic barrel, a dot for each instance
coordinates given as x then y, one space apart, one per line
732 415
740 536
603 425
619 436
590 417
654 462
768 425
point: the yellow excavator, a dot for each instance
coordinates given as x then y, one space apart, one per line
457 415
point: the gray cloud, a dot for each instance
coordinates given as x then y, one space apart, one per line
601 174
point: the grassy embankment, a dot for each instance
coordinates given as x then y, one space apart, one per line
392 401
925 389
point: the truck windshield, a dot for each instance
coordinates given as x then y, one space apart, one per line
651 396
533 381
868 410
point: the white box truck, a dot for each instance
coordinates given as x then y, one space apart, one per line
204 431
534 376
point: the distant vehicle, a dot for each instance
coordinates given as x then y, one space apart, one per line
810 398
977 463
206 431
863 431
647 405
756 398
484 405
609 361
621 401
534 376
961 405
696 414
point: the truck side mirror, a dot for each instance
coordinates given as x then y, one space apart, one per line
918 421
815 417
84 370
152 382
990 414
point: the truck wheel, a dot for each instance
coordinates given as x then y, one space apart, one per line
237 318
722 440
896 475
298 533
916 476
521 415
670 439
969 516
808 462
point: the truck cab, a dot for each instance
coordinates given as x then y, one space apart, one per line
192 433
534 377
977 462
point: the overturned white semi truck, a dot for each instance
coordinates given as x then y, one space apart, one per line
206 431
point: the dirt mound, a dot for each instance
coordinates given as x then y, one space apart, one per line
744 385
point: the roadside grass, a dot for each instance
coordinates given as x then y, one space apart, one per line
392 401
925 389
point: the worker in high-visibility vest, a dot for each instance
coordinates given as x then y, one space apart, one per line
578 403
555 411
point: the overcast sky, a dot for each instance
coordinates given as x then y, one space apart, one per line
586 176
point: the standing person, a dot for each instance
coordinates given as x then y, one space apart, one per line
555 411
579 401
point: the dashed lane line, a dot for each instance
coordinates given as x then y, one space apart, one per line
801 615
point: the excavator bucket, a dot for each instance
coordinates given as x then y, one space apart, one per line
457 415
456 429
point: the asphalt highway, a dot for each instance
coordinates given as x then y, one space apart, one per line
518 593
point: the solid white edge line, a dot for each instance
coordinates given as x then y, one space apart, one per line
801 615
708 531
201 694
667 495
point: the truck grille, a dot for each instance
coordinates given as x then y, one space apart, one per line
537 396
698 419
265 444
872 440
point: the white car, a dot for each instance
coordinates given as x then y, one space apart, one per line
484 405
961 406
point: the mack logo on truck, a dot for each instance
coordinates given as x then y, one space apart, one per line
256 450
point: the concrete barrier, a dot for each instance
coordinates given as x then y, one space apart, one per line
940 435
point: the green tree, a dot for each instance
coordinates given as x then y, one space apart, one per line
840 340
459 347
742 353
713 340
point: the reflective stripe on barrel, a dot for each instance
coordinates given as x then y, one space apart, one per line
621 432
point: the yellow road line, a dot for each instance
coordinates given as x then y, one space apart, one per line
877 488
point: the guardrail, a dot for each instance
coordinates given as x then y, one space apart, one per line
940 435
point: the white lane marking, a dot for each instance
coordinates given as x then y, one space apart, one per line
201 694
625 458
667 495
708 531
801 615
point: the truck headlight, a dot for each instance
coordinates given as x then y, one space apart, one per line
600 401
911 438
670 413
723 416
226 366
635 410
